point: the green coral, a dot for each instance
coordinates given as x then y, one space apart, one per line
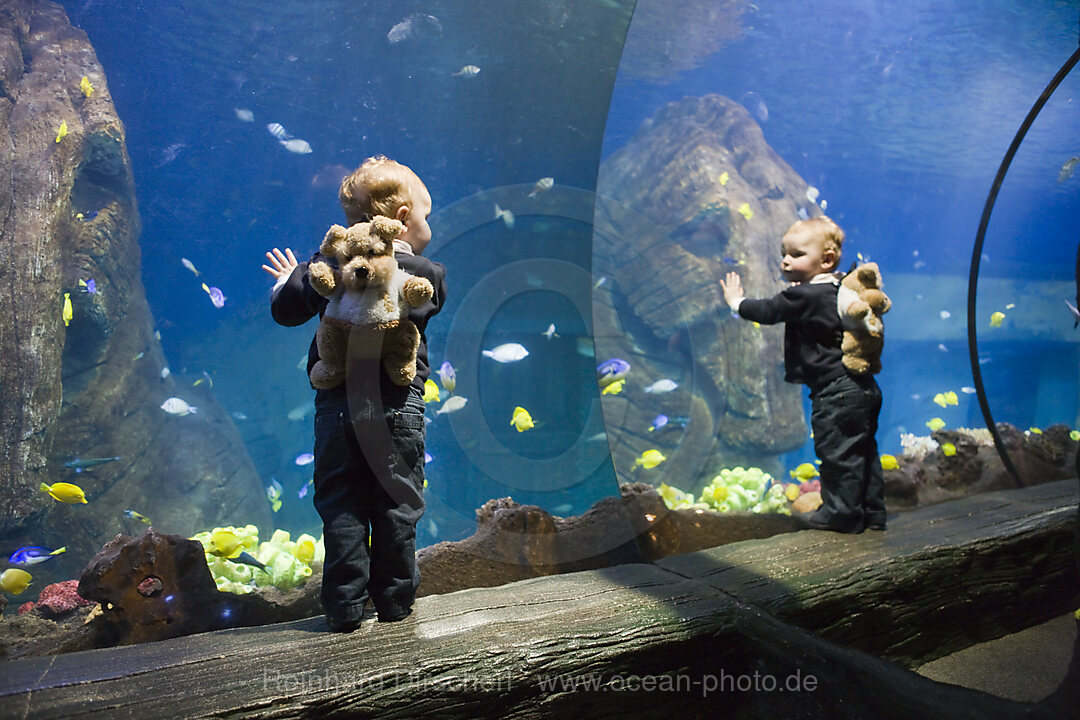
734 489
288 562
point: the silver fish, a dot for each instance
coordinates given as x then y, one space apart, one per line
542 186
507 353
507 216
177 406
296 145
278 131
452 404
1067 169
467 72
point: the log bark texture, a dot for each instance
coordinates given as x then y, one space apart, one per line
584 644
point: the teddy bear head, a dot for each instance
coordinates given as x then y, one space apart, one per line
364 252
866 282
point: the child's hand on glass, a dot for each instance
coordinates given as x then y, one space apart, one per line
281 264
732 289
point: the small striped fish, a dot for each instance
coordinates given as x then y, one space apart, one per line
278 131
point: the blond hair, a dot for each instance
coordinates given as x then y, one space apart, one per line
827 232
378 187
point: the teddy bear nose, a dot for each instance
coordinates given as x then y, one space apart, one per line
362 273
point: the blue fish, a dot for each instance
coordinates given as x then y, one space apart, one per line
91 286
247 559
611 370
31 555
304 459
216 296
87 216
78 465
133 515
658 422
304 490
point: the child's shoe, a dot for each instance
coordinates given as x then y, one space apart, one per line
814 521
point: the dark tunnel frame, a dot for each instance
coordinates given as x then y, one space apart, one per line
976 256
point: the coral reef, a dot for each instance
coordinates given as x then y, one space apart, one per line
57 600
288 563
930 471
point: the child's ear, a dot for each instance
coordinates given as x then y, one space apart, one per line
403 214
830 259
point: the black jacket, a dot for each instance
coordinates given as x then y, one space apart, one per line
812 331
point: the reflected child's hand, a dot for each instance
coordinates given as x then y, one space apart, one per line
732 289
281 264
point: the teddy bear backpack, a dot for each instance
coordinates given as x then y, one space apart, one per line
861 302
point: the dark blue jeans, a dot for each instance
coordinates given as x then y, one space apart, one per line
369 482
844 418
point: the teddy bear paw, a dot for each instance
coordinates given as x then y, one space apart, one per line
323 278
417 291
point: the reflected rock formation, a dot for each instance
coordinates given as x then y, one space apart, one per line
695 193
88 386
667 37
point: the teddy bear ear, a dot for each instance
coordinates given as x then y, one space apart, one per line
868 275
386 228
333 237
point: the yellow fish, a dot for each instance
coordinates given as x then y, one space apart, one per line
935 424
946 398
1075 436
996 319
68 314
792 491
746 212
804 472
674 497
948 449
650 459
431 391
613 388
724 177
521 419
86 87
889 462
14 580
64 492
225 543
1034 431
61 132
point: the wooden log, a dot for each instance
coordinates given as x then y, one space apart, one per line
697 635
940 579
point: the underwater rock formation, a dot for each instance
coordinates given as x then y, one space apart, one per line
695 194
514 542
159 586
88 385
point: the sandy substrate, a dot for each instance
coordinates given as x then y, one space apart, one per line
1026 666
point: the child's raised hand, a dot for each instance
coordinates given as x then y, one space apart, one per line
281 264
732 289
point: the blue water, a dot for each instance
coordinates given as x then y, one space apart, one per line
899 112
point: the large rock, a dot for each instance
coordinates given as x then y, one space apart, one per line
91 388
695 194
514 542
